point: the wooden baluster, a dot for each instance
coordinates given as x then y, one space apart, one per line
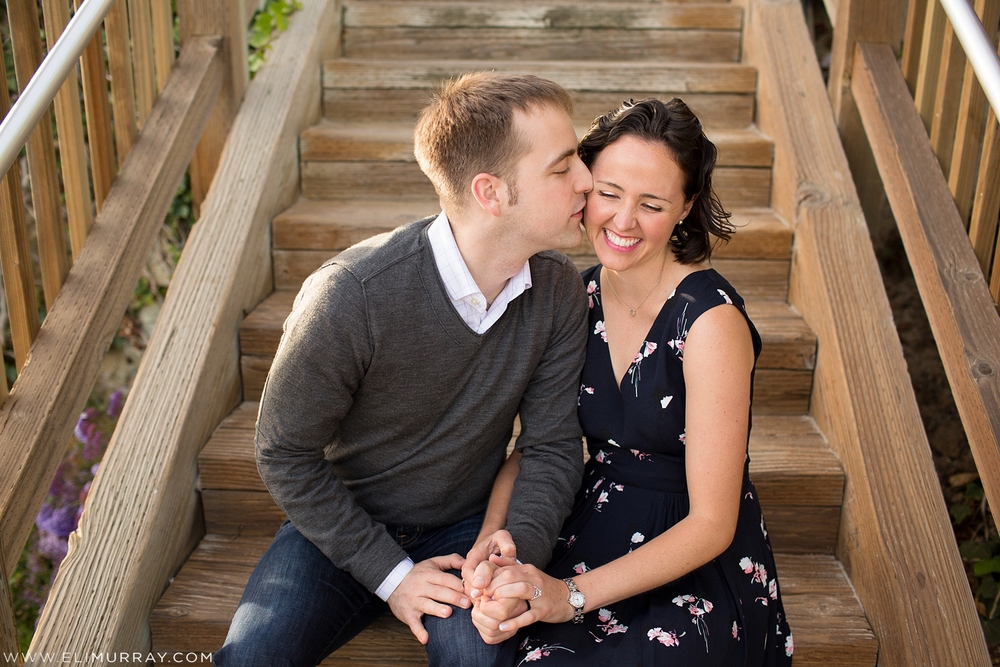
69 121
163 40
8 626
226 18
915 15
27 46
983 225
15 255
122 91
140 22
95 102
925 92
971 125
944 117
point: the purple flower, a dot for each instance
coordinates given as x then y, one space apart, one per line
60 521
53 546
115 404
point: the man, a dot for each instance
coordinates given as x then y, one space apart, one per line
392 395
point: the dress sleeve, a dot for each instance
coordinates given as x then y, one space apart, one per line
551 440
323 355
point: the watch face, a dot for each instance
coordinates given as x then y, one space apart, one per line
576 599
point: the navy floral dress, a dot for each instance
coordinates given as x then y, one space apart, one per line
727 612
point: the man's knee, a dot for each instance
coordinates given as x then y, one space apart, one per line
455 642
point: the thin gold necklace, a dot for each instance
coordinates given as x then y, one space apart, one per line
632 311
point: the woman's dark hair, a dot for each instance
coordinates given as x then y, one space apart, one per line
673 126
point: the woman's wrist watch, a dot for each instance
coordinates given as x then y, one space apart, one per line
577 600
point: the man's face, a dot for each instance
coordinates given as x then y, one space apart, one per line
550 180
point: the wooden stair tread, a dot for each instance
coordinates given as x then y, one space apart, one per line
336 224
194 613
604 76
543 15
790 461
788 341
393 142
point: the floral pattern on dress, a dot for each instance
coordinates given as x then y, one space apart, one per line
677 342
698 607
584 389
666 638
593 293
634 371
539 652
599 330
608 624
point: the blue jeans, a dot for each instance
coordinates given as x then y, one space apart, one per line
299 608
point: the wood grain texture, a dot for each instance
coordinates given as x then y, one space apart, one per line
530 44
947 98
903 564
162 16
72 152
542 16
916 12
870 20
137 519
971 128
15 257
143 60
95 102
929 68
226 18
714 110
955 294
122 87
8 626
826 619
26 44
650 78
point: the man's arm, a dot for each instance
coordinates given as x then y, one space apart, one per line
322 357
551 467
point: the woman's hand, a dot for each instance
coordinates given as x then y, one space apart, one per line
547 597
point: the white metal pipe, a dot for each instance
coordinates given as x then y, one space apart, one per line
978 48
48 78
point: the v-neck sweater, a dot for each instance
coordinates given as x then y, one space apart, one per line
382 407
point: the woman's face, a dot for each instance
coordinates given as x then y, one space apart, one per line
637 199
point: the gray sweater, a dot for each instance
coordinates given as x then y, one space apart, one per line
383 407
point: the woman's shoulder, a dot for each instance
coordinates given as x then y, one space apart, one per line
706 289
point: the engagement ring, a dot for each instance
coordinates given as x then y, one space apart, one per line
538 592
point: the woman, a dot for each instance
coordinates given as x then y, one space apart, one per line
664 558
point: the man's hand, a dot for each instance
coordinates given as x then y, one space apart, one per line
428 589
478 570
487 615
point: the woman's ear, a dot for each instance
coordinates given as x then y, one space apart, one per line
489 192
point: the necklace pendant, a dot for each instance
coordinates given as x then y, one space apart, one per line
631 312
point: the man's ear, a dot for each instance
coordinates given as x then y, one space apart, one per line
490 192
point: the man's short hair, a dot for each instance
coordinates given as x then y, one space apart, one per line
468 129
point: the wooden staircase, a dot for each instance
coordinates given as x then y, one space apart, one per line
359 178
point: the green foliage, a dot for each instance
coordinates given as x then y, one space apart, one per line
266 23
979 546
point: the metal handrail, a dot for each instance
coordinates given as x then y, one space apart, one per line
48 79
978 48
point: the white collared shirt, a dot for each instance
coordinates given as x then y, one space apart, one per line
462 289
470 303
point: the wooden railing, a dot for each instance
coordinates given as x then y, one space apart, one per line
923 134
895 538
157 108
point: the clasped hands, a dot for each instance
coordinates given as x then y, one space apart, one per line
493 583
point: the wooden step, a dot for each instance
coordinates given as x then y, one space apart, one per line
798 478
544 31
827 622
334 225
351 141
722 95
788 343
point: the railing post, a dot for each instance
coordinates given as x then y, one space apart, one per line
871 21
226 18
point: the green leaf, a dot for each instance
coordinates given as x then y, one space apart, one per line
973 491
984 567
973 551
988 588
281 22
991 631
959 512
